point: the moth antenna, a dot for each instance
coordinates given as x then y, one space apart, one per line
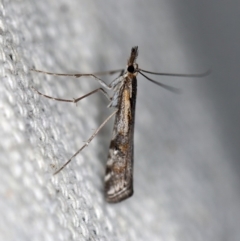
177 75
167 87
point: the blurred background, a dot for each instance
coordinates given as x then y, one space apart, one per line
186 170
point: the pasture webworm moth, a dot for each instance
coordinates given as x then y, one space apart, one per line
119 170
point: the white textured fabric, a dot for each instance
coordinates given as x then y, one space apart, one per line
186 187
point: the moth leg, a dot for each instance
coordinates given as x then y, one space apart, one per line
88 141
78 75
75 100
92 92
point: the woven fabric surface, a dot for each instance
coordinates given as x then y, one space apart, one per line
184 176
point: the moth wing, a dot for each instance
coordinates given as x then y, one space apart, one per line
119 171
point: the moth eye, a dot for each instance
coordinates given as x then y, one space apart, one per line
130 69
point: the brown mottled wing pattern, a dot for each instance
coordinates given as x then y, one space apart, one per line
119 172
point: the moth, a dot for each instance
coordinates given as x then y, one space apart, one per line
119 168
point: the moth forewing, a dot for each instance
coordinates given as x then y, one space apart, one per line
119 171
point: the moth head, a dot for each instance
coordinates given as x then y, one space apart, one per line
132 69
